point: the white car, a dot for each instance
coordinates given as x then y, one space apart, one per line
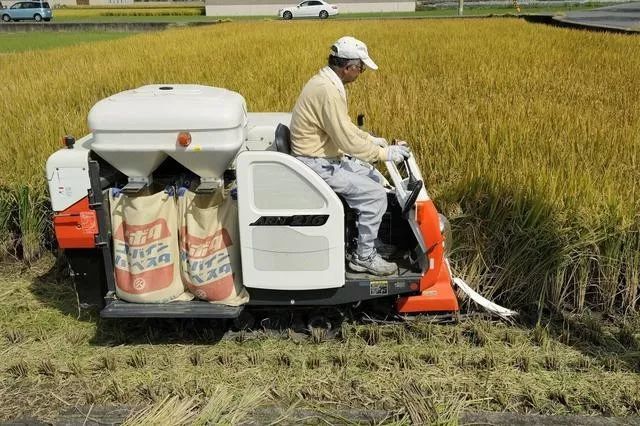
309 9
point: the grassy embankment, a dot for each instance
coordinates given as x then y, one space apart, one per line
115 14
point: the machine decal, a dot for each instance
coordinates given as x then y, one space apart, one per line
379 288
296 220
89 222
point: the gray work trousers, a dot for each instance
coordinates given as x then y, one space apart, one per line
362 189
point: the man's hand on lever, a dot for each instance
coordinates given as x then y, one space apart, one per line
398 153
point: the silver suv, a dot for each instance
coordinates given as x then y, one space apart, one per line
23 10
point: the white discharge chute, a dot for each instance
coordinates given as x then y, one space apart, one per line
488 305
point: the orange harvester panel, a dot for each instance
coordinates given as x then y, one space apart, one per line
76 226
439 297
437 292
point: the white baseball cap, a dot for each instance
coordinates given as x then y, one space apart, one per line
351 48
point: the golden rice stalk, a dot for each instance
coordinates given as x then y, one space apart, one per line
169 411
227 408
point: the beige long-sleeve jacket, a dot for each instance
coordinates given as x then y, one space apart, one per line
321 126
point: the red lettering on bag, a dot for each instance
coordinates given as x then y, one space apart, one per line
198 248
140 235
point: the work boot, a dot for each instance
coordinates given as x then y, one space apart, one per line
374 264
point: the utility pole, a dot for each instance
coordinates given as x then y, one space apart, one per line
460 7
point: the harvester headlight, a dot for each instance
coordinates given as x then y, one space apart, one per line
445 230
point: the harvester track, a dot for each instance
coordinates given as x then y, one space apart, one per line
330 323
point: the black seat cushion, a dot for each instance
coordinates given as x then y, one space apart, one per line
283 139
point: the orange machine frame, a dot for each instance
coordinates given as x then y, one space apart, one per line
437 293
76 226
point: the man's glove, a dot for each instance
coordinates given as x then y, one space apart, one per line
381 142
398 153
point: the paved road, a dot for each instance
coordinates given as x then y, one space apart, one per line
619 17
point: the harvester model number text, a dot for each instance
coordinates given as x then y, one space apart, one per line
296 220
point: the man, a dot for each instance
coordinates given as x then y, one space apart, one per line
321 132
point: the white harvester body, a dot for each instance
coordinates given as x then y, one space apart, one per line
293 230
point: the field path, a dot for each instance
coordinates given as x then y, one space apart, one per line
104 415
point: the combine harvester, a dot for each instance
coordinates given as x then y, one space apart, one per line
180 204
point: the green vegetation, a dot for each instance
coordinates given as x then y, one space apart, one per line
52 359
25 41
137 18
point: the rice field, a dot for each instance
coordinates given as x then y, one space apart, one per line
528 136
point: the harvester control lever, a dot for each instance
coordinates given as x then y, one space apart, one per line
415 187
412 178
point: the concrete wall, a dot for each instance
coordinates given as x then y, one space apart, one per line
57 3
270 7
110 2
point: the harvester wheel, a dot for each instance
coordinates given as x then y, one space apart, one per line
274 322
319 321
245 321
37 17
287 15
324 14
6 18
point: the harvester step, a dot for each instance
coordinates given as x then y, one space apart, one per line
192 309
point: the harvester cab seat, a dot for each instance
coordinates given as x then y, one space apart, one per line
283 139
